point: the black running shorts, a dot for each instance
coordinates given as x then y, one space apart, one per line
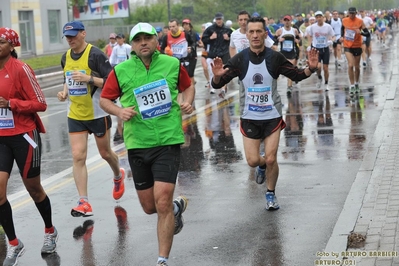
260 129
97 126
324 55
191 67
354 51
18 148
154 164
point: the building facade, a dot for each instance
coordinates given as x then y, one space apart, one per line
38 23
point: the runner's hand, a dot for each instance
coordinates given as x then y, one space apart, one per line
217 67
186 108
313 58
127 113
79 76
61 95
3 103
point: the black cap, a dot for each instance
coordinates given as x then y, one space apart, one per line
298 15
120 35
352 10
306 20
218 15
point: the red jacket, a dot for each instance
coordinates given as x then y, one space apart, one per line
20 87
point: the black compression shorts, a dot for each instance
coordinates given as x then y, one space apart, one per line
27 157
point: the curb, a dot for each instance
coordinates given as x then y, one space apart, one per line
336 248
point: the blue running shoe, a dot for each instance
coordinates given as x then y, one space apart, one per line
260 175
271 201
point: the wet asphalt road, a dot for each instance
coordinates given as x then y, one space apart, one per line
226 222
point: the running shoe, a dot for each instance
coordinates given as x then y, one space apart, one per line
13 252
50 242
271 201
82 210
357 89
352 90
260 175
117 136
326 88
119 186
318 84
162 263
182 203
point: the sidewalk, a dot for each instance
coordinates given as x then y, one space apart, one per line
372 206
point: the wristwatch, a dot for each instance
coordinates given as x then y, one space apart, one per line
313 70
91 81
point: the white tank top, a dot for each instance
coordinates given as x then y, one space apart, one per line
259 104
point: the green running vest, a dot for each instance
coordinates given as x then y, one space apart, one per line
153 93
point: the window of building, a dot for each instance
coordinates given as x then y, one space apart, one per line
54 27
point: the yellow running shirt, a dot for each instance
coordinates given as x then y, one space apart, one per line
82 105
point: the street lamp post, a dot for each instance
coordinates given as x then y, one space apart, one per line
169 10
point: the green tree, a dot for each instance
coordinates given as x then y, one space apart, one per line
151 13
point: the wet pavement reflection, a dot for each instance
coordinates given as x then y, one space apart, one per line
320 152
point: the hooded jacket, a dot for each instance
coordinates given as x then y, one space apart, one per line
217 47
